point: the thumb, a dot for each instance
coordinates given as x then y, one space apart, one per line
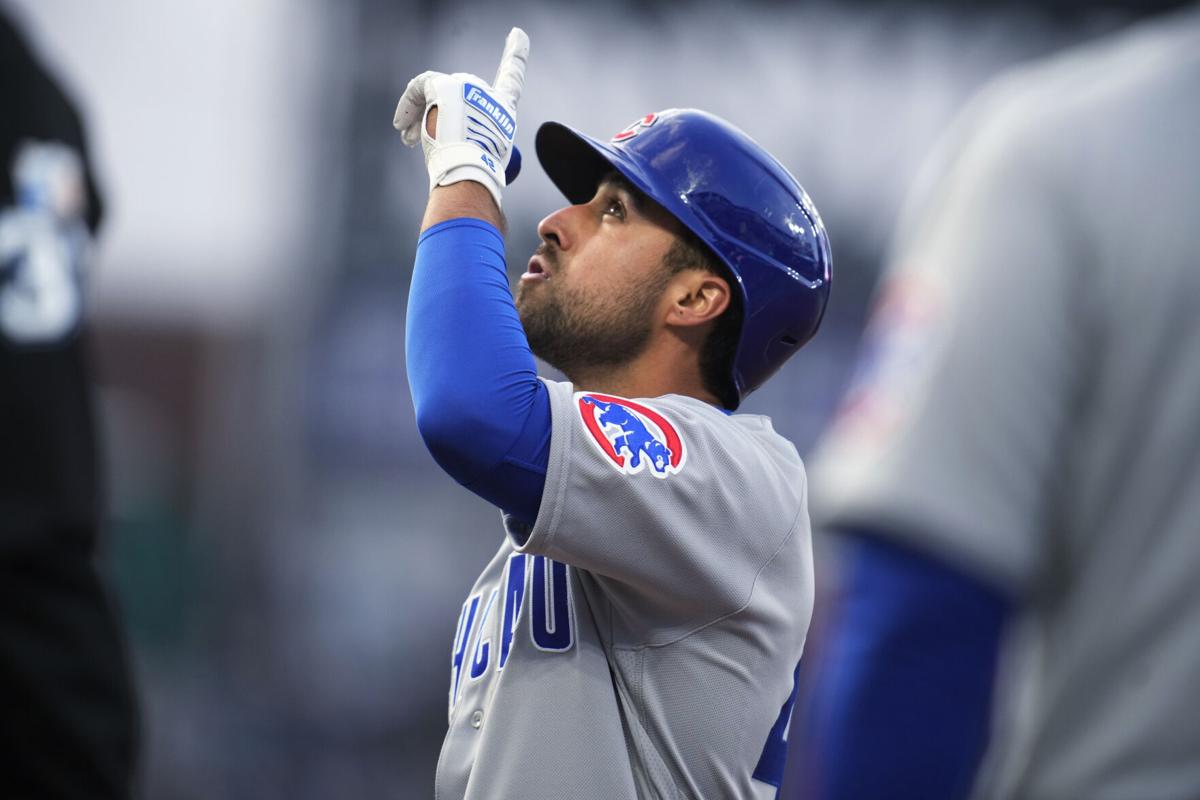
411 108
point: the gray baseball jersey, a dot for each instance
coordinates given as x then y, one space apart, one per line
1029 405
641 639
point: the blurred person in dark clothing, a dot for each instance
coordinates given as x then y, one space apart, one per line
1023 444
67 706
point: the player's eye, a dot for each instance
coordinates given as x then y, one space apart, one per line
615 207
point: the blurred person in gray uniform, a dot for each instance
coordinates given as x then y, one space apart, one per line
67 711
1022 444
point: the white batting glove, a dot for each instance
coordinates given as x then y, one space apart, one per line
476 124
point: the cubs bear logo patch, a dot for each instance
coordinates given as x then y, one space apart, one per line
631 436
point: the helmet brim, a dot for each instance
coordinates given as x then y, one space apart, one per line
573 163
576 163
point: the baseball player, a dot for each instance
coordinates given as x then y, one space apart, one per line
67 706
1023 446
637 632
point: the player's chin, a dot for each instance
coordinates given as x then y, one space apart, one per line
527 291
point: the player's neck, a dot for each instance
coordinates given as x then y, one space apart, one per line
657 371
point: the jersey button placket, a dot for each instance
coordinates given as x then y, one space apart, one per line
477 719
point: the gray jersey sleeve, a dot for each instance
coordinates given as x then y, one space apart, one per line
674 507
949 432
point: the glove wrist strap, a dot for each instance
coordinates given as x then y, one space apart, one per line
463 161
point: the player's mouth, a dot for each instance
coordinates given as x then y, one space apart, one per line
537 270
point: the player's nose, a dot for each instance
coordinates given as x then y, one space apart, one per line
557 229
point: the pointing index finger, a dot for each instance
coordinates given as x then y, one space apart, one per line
510 77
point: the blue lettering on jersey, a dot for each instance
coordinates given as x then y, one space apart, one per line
514 596
484 644
466 621
550 618
770 765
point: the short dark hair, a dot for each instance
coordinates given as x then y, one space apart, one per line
720 348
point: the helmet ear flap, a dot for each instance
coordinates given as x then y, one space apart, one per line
737 200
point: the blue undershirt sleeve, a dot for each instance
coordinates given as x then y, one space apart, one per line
480 407
901 703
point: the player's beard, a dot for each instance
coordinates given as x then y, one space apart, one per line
574 331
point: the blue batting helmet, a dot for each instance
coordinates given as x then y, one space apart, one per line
741 202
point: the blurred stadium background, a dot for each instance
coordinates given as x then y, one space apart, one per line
289 559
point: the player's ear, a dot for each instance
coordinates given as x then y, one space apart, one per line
697 296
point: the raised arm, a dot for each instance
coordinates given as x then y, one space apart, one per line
481 409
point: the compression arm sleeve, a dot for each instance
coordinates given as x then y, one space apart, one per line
481 409
901 705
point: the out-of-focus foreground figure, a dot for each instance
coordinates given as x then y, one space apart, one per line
1022 445
66 703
